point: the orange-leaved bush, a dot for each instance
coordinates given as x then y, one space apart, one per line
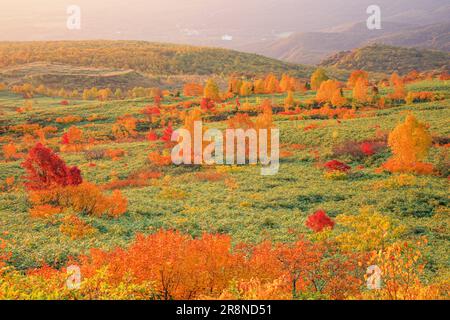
53 186
410 142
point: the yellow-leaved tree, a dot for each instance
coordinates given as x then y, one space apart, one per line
410 142
360 91
289 101
317 78
326 91
211 90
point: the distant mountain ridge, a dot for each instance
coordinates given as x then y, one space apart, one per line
387 59
313 47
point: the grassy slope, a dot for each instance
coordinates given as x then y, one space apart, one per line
54 75
261 207
145 57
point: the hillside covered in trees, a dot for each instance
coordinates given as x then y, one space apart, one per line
388 59
145 57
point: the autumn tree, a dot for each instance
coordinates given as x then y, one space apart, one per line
118 94
234 85
399 87
271 84
104 94
211 90
72 136
259 86
124 127
317 78
356 76
360 91
338 99
192 90
246 89
289 100
327 90
410 142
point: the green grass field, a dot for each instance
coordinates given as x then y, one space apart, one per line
271 207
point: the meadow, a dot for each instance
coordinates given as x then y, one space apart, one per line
228 200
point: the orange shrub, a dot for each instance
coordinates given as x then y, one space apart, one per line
402 266
399 88
158 159
115 154
9 151
75 228
85 198
192 90
69 119
124 127
44 211
422 96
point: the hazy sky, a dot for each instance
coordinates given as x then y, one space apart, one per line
192 21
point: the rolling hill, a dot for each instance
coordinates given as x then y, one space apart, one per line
55 75
382 58
145 57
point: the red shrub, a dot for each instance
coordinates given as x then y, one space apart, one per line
367 148
148 110
152 136
359 150
45 169
64 103
335 165
167 134
207 104
65 139
319 221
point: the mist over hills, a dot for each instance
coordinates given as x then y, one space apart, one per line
202 22
313 47
297 31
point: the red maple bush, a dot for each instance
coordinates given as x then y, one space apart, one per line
319 221
367 148
359 150
152 136
207 104
167 133
335 165
53 187
45 170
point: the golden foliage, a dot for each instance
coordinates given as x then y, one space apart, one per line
366 231
410 142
